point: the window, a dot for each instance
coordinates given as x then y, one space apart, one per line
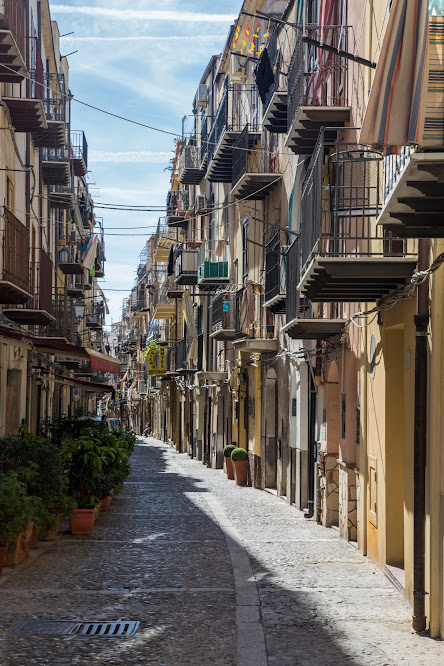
245 248
10 194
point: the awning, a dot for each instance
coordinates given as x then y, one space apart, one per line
395 111
88 386
60 349
103 362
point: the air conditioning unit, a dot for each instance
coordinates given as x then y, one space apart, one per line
201 203
202 95
238 69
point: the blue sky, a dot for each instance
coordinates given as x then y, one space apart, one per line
143 63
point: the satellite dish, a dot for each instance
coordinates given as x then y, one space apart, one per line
275 7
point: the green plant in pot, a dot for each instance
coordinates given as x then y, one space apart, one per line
239 458
17 510
228 462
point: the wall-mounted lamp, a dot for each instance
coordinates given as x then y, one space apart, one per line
79 308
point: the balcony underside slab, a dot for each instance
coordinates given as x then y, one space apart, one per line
302 135
313 329
174 293
53 136
11 293
27 115
176 221
186 278
223 334
275 118
256 345
80 168
255 186
277 304
355 279
29 316
221 166
56 173
415 208
75 292
62 200
12 66
71 268
191 175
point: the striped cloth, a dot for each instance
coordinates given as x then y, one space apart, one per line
432 107
395 112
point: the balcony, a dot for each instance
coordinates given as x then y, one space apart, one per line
164 308
301 324
236 109
317 88
275 276
70 262
413 194
61 196
184 365
177 206
12 42
63 325
247 329
25 100
38 310
56 166
75 286
222 317
190 170
93 321
14 270
204 131
254 173
79 148
212 268
274 92
343 257
185 268
54 103
174 290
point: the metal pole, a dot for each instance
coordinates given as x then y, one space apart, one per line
419 620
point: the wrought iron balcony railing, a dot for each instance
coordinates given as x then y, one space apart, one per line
254 172
275 275
212 263
14 271
317 77
190 171
223 313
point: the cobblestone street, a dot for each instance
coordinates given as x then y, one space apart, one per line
216 574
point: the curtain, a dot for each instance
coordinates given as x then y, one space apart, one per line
398 94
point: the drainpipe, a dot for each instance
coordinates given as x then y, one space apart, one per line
419 620
309 511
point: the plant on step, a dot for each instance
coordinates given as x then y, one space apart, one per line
228 450
239 454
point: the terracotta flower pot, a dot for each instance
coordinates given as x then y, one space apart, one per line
51 532
229 467
34 536
240 471
16 551
81 521
3 550
104 504
31 536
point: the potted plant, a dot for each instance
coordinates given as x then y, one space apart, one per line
16 512
228 462
239 458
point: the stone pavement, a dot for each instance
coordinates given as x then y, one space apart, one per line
216 574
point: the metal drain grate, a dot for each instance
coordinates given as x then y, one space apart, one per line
54 627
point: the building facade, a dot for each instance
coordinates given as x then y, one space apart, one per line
296 290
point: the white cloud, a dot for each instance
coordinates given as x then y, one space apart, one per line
132 156
144 15
151 38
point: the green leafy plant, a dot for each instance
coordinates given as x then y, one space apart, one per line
17 508
228 450
239 454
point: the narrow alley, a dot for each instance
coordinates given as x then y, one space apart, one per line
215 573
